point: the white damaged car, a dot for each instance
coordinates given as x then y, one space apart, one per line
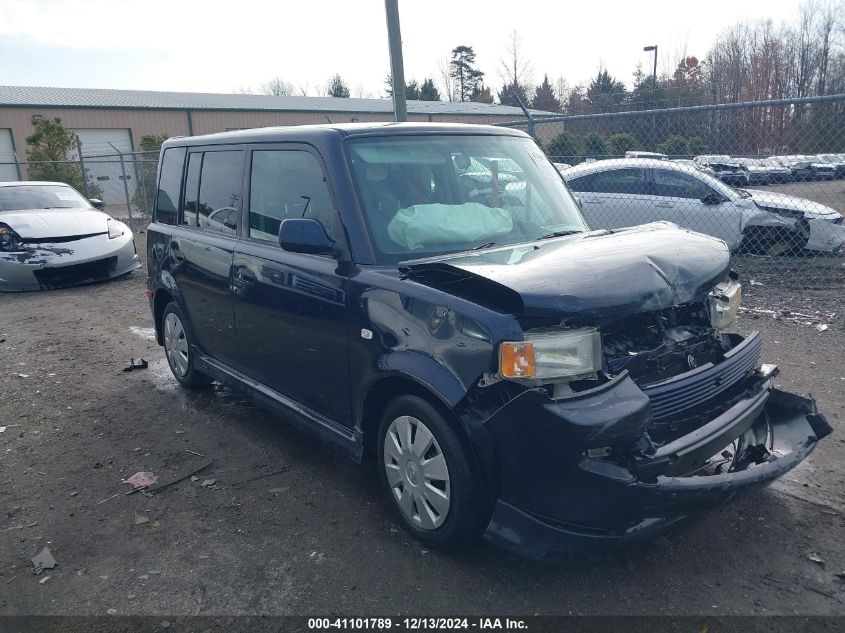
625 192
52 237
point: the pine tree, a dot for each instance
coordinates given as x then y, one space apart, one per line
428 91
545 97
508 94
481 95
462 69
337 87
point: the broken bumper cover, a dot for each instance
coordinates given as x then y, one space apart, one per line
555 498
42 266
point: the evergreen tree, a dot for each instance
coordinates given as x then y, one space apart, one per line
545 97
508 94
481 95
428 91
605 94
463 71
337 87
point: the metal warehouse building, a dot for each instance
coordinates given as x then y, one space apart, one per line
106 120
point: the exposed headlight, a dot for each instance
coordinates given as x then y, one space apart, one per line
116 229
9 240
724 299
545 356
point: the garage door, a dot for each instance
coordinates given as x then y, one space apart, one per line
100 148
8 169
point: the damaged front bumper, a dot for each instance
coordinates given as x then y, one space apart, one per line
582 471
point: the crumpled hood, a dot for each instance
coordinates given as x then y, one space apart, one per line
775 200
601 274
45 223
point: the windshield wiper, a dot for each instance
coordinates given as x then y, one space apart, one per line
485 245
548 236
742 192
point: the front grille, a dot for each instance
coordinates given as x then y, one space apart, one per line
76 273
688 390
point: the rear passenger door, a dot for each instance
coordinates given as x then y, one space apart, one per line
291 308
205 244
615 198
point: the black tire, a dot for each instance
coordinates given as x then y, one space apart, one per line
468 511
190 378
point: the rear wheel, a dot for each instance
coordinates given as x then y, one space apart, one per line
178 347
428 474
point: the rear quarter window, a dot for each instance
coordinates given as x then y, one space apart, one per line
169 185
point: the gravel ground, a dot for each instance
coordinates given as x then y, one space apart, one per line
288 527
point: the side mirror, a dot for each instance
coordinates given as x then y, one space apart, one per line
305 235
96 203
712 198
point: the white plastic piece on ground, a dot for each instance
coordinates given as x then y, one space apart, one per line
424 224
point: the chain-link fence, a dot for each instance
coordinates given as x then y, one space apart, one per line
768 178
124 182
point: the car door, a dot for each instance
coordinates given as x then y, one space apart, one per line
690 202
291 308
614 198
204 246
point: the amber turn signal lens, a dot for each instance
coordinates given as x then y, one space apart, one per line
516 360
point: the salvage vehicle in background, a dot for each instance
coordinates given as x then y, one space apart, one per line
512 372
625 192
725 168
758 172
51 237
837 160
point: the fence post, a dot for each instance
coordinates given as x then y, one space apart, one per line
18 165
125 184
527 113
82 166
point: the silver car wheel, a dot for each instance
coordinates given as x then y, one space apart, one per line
417 472
176 345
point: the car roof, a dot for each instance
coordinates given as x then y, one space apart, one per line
623 163
17 183
305 133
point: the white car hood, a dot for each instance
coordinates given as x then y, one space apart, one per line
812 210
52 223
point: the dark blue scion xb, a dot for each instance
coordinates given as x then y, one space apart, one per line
430 296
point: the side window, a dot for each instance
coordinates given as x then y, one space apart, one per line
675 184
192 190
287 184
580 184
628 181
220 191
169 184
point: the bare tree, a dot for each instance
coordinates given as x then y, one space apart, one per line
277 86
303 89
515 69
447 84
243 90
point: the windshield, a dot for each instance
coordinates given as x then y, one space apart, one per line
20 197
430 195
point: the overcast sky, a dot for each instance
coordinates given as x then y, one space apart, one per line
216 46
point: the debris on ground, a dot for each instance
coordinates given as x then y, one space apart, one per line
280 489
141 519
13 578
821 327
22 375
136 363
43 580
2 429
820 320
173 481
44 560
141 479
818 560
208 482
840 575
111 611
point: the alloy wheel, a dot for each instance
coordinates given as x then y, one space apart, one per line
176 345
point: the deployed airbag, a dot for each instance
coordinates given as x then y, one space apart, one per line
422 224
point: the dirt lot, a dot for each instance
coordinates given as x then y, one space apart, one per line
317 538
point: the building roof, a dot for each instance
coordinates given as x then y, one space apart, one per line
36 96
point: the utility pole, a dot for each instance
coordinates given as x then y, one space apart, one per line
397 68
82 166
653 89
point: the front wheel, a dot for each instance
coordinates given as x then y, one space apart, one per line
178 348
428 474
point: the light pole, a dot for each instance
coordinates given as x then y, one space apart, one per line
653 89
397 70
